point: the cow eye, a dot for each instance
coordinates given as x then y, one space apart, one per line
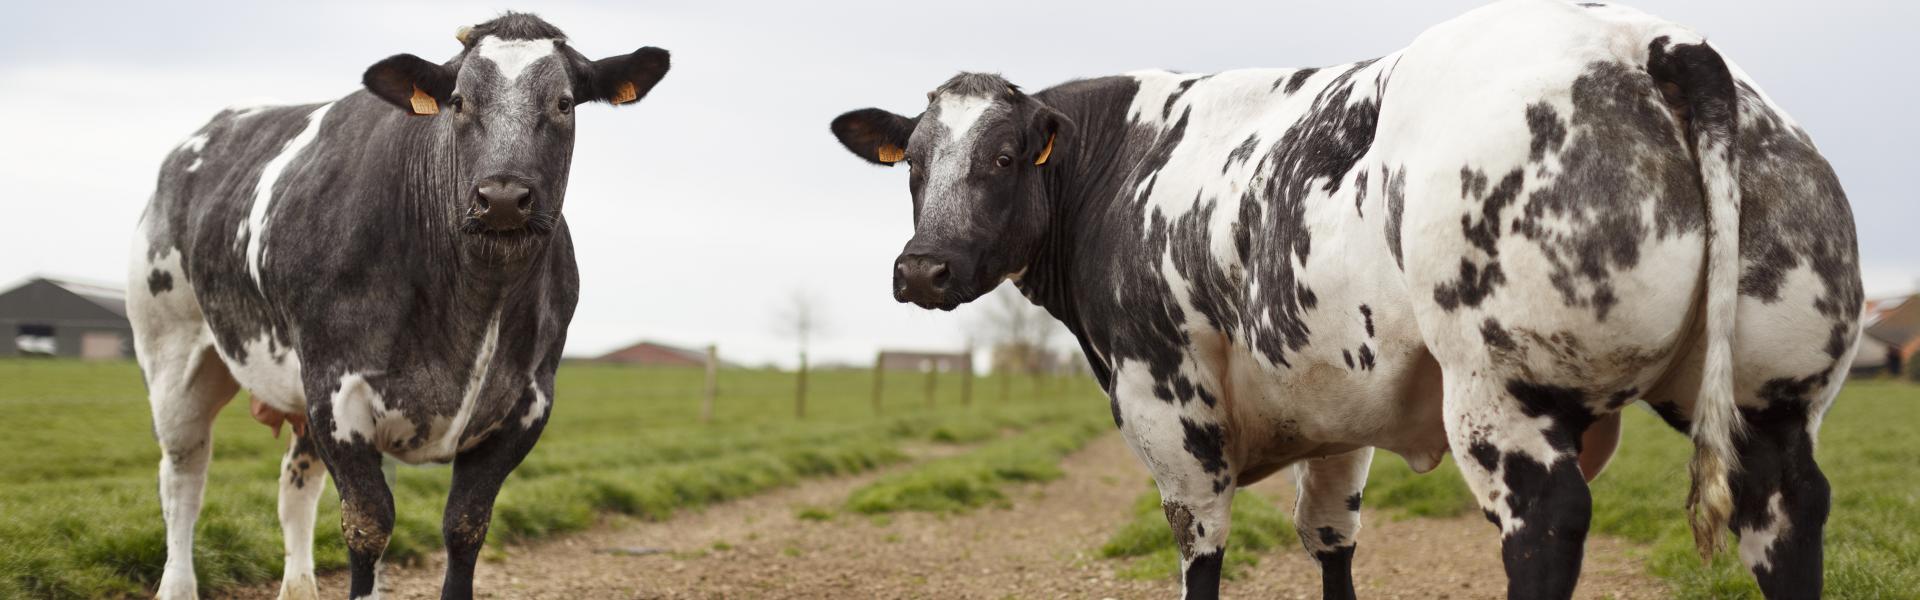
1004 161
459 104
566 104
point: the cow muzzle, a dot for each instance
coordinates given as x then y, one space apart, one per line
923 280
500 204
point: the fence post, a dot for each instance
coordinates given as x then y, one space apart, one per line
933 371
966 378
800 389
713 383
879 373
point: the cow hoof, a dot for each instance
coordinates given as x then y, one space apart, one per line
299 587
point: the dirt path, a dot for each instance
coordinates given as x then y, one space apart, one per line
1042 547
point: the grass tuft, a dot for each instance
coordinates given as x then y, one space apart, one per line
977 477
1146 542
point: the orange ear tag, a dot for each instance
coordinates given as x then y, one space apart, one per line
1045 152
625 93
424 104
889 153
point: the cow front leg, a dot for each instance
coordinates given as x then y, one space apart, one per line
1183 444
366 503
1327 515
477 475
1517 445
366 510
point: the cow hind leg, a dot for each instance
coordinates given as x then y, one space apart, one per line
1780 496
302 477
1327 515
1517 445
186 386
477 475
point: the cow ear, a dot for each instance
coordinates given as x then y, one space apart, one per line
627 78
876 135
411 83
1048 125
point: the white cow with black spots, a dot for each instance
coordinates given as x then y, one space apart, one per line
1488 243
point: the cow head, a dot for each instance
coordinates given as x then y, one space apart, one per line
507 103
976 156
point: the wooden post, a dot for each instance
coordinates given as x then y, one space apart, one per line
800 389
966 378
933 371
879 380
1006 384
713 383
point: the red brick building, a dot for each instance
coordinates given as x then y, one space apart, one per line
655 354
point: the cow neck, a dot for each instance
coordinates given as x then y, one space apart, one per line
1079 181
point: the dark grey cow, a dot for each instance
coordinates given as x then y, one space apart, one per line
1487 243
389 270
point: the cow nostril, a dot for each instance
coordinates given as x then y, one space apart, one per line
938 274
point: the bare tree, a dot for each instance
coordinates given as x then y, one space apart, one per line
799 320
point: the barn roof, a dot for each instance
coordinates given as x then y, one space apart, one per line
63 300
1894 320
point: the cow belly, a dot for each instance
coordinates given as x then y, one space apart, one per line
270 373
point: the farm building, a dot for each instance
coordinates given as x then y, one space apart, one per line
1890 343
54 317
911 360
656 354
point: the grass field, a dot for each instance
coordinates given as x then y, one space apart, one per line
79 515
1868 448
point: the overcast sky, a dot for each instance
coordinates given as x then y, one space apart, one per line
697 211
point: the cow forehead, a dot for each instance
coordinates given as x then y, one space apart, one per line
959 113
512 57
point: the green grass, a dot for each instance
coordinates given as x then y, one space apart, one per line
1868 449
977 477
1146 543
80 518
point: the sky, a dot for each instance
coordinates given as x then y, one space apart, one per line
697 213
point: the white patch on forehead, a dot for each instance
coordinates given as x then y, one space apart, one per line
512 57
959 113
949 160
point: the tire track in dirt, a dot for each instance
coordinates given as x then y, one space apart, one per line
1042 546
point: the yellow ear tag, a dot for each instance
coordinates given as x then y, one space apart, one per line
1045 152
889 153
625 93
424 104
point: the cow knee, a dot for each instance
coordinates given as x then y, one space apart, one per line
1200 515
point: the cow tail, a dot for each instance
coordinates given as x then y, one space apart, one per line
1698 85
